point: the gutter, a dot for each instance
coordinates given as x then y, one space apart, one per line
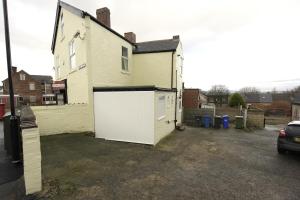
153 51
131 88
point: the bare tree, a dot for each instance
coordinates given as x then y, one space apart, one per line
218 94
296 89
274 91
218 90
249 90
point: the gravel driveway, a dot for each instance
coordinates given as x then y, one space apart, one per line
194 164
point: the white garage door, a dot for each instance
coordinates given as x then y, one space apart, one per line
125 116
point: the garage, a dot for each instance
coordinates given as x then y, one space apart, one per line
134 114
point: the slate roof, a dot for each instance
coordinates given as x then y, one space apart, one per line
265 98
258 98
156 46
281 97
42 78
251 98
296 98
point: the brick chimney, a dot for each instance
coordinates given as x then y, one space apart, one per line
103 16
176 37
130 36
14 70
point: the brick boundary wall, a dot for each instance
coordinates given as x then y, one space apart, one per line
256 119
190 113
231 112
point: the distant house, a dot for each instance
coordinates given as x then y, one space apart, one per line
296 107
29 88
283 97
259 100
1 89
282 103
218 99
193 98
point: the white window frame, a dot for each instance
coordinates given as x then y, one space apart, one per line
72 54
31 86
124 60
57 69
62 25
22 77
58 72
161 107
32 99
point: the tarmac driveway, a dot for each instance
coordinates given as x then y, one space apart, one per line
194 164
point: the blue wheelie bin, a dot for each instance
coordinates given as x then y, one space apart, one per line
206 121
225 121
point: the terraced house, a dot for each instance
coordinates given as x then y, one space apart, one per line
132 90
29 89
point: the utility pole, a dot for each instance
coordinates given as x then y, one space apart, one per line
14 124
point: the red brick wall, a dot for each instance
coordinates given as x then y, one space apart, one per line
262 106
21 87
191 98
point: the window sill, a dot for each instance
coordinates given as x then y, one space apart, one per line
73 70
82 66
125 72
160 118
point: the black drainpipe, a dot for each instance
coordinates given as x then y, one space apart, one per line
172 86
172 63
176 101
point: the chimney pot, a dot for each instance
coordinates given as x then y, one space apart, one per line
176 37
103 16
130 36
14 69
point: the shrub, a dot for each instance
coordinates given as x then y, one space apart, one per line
236 100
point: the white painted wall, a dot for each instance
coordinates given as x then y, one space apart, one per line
164 126
153 69
295 112
77 78
125 116
32 160
72 24
72 118
104 54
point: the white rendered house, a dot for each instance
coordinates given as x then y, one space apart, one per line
133 90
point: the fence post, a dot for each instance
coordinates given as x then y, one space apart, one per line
31 151
245 118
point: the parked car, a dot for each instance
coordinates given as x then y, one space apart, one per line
289 138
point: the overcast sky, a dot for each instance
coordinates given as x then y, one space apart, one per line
232 42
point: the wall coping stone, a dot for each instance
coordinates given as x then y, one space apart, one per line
27 119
